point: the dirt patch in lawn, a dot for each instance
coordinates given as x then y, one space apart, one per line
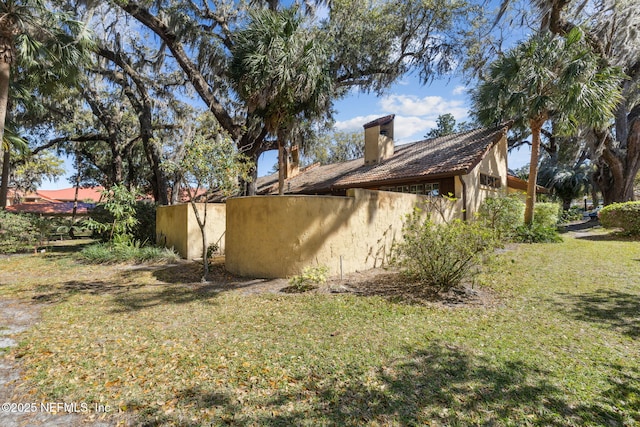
388 284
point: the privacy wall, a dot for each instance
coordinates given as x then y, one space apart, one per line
177 227
278 236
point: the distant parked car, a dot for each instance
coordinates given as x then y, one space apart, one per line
596 212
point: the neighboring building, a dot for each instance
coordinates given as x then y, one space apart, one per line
51 208
57 202
87 195
468 166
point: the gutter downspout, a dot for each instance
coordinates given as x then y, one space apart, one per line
464 198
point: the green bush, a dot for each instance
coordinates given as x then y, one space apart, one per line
537 233
127 252
572 214
544 228
145 229
546 214
503 215
18 232
310 277
622 215
440 256
122 218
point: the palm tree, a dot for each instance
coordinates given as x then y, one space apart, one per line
280 69
49 44
548 77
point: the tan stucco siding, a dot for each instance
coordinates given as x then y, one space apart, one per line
493 164
280 236
177 227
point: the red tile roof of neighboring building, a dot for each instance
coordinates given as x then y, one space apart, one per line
49 208
68 194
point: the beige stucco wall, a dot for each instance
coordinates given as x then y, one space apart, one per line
269 236
177 227
494 164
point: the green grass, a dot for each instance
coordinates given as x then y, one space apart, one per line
561 347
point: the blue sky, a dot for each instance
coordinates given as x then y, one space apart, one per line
416 108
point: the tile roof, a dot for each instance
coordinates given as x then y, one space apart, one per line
449 155
68 194
50 208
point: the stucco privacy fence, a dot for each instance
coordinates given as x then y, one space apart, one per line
177 228
278 236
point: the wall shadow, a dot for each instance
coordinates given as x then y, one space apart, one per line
613 309
439 384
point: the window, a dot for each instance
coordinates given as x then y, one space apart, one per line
489 181
431 189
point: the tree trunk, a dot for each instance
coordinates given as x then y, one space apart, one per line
5 74
536 126
617 168
6 168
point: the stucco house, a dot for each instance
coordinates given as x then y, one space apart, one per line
468 166
346 216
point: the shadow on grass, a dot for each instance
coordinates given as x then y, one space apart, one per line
609 237
584 225
164 295
614 309
440 384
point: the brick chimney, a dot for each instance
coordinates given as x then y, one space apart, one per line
292 162
378 140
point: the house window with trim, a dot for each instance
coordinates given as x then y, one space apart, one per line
489 181
431 189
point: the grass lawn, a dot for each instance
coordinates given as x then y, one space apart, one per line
561 347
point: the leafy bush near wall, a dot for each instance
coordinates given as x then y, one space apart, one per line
503 215
623 215
145 229
310 277
18 232
440 256
124 218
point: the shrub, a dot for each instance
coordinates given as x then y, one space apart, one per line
212 250
114 253
503 215
310 277
572 214
544 228
440 256
537 233
115 218
623 215
546 214
18 232
122 218
145 228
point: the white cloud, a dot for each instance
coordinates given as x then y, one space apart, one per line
356 123
429 106
459 90
405 129
411 128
